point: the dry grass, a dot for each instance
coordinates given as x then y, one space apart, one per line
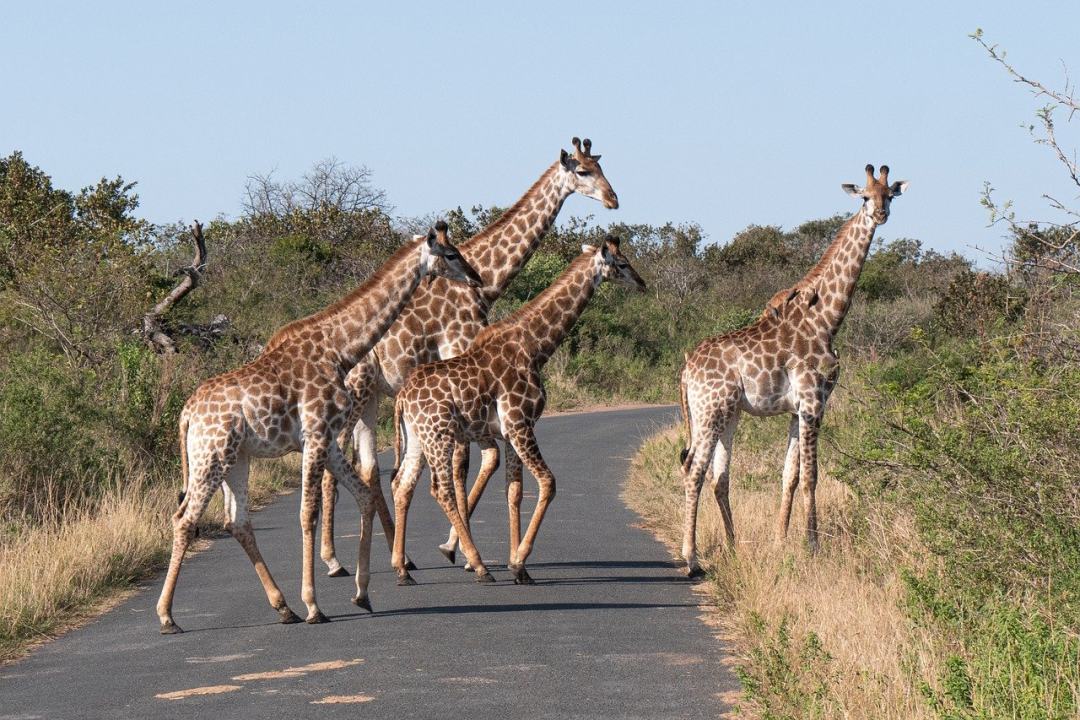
55 573
822 636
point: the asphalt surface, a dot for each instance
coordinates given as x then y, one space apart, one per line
610 630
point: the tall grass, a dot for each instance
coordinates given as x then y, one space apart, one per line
54 572
817 636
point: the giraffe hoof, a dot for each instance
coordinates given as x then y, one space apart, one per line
694 573
410 565
317 619
449 553
339 571
521 576
485 578
288 617
170 628
405 579
364 603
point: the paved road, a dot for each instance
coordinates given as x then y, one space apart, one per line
610 630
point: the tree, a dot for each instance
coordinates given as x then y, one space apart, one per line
73 267
1049 244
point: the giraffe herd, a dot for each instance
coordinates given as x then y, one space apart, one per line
417 330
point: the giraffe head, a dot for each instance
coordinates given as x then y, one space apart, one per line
583 174
612 265
878 194
442 259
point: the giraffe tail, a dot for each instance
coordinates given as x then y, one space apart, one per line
181 498
685 458
399 437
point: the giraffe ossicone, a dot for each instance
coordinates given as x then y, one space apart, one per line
784 363
292 398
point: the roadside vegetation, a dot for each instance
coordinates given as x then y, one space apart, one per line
948 583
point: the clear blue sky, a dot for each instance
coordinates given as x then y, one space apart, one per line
724 114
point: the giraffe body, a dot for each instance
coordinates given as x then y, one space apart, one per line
293 398
442 319
782 364
494 390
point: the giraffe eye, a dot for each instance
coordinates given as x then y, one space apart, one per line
584 173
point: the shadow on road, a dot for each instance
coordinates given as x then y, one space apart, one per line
510 608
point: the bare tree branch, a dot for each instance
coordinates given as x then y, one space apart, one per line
153 331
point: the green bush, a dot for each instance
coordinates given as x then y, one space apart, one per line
978 445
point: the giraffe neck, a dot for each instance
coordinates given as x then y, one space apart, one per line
547 319
836 274
500 250
352 325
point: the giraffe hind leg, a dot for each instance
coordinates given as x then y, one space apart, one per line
489 464
238 525
440 460
206 478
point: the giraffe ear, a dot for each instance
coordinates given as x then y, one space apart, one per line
898 188
586 247
852 190
567 160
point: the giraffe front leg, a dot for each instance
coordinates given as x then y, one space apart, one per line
526 447
513 500
362 494
809 426
316 445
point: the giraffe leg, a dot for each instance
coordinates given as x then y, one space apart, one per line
721 482
513 500
316 445
326 546
404 485
489 452
239 526
692 482
440 458
362 494
809 426
790 479
204 480
364 444
524 442
459 468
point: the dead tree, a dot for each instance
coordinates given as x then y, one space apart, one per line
153 329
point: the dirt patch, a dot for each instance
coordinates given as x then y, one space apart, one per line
193 692
342 699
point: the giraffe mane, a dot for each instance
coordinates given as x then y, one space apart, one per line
508 216
290 330
527 312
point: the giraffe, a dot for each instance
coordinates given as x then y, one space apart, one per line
443 318
494 390
293 398
783 363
